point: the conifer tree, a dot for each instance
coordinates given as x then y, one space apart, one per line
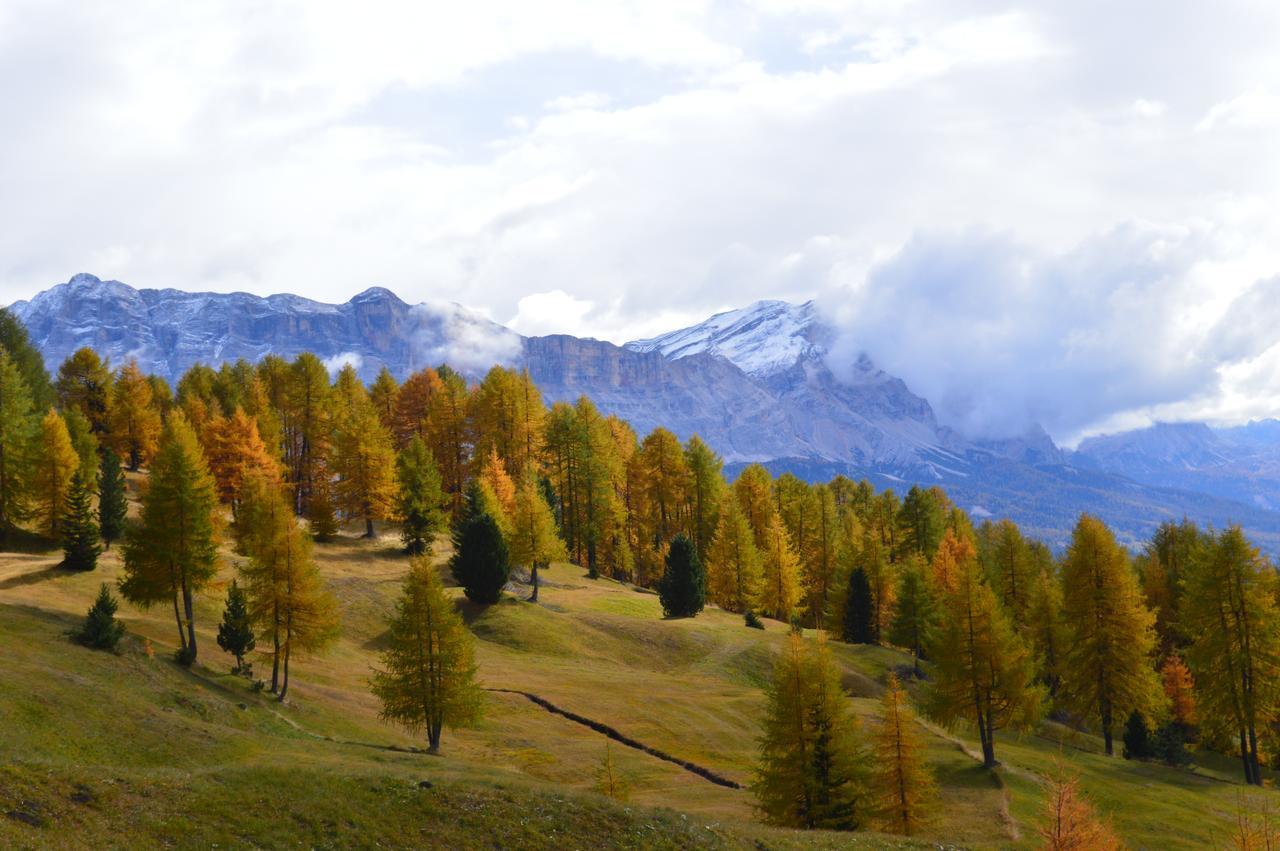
84 385
915 612
287 598
857 620
56 462
364 461
305 404
682 588
1107 668
171 553
1046 631
1069 822
113 503
101 630
1137 737
1179 689
383 395
80 547
812 757
1007 560
922 519
825 545
235 633
480 560
704 494
610 781
982 671
234 450
954 550
322 512
413 404
780 591
427 679
17 435
447 434
534 540
134 422
15 342
734 576
903 785
84 442
1230 614
420 500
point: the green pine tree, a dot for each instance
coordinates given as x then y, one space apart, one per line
113 504
17 450
682 588
101 630
235 633
915 613
421 498
480 560
80 546
857 609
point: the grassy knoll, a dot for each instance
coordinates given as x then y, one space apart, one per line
102 751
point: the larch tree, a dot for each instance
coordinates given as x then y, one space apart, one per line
427 676
1107 669
420 500
171 553
383 395
812 756
915 613
235 450
982 672
134 422
1179 690
56 463
364 461
1046 631
1229 612
1069 822
902 782
84 384
17 434
448 434
306 426
533 541
780 591
287 599
113 504
1007 560
753 489
954 550
922 519
84 442
734 575
820 563
413 405
704 493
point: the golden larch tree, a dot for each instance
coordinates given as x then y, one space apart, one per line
901 780
1069 821
365 463
734 576
134 422
56 462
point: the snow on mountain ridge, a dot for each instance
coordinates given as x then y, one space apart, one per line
760 339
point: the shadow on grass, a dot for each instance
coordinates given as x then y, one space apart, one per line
24 541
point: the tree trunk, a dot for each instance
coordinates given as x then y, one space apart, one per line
182 636
284 687
368 527
433 736
533 571
188 605
987 735
1244 758
275 656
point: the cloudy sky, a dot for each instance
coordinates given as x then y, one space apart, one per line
1054 211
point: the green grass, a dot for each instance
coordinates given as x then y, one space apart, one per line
105 751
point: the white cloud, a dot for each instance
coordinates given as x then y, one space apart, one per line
657 162
335 364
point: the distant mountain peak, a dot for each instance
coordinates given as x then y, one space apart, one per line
761 339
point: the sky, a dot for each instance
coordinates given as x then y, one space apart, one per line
1053 212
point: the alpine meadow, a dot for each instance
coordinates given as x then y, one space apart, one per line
715 424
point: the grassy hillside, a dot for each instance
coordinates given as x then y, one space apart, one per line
102 750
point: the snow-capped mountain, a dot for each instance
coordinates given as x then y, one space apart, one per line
757 384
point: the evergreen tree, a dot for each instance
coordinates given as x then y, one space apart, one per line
1137 737
80 547
235 633
1169 745
171 553
427 680
982 670
682 588
812 758
857 609
420 499
134 421
85 444
26 359
734 576
534 540
480 559
1107 668
1230 614
113 503
922 519
56 462
1070 823
903 784
101 630
17 435
915 613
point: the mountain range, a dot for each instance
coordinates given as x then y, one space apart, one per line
756 383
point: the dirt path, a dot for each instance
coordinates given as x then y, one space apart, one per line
612 733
